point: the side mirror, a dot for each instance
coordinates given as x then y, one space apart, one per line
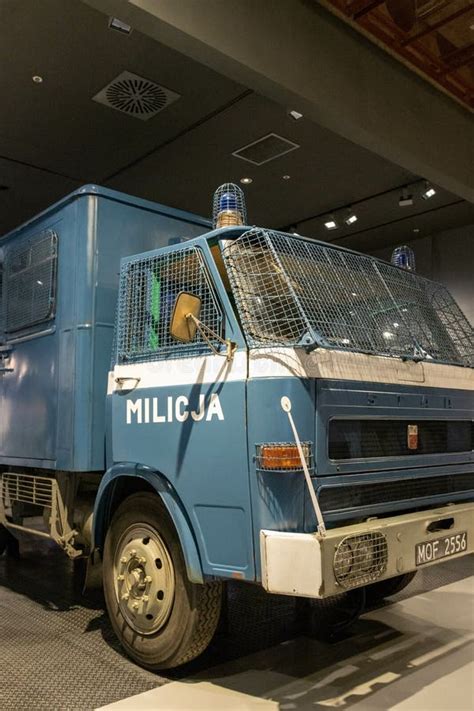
182 326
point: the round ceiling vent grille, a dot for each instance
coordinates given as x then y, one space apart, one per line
135 96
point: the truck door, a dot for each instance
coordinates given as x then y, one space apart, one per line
28 378
179 407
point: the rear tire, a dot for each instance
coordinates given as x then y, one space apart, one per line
385 588
161 619
8 543
3 539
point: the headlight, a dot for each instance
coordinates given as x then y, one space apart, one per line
361 559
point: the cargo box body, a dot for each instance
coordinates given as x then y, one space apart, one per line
58 299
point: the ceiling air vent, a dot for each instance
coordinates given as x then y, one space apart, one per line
135 96
265 149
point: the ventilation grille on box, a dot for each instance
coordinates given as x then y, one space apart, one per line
136 96
265 149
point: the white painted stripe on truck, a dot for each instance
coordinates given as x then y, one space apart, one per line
180 371
344 365
291 362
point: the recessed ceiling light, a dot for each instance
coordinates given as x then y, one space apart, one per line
416 229
246 181
116 24
295 115
330 224
428 192
37 79
286 177
350 217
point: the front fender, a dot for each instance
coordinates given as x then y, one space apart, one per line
105 506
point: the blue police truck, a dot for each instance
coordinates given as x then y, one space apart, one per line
185 405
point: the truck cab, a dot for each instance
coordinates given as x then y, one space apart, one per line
279 411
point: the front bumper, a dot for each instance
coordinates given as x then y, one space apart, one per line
303 564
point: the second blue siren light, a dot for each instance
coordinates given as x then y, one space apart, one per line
404 257
228 206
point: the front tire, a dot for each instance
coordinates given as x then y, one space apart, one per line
161 619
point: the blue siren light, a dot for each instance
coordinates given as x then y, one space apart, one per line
228 207
404 257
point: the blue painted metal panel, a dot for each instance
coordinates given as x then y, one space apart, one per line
204 461
377 400
126 470
56 388
277 497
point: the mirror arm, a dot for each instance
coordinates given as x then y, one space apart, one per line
231 347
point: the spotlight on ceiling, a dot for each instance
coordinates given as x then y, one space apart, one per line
350 217
428 192
37 79
295 115
246 181
330 223
405 199
119 26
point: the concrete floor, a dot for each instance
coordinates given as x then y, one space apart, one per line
414 654
57 650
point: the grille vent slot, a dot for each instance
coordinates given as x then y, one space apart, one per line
265 149
136 96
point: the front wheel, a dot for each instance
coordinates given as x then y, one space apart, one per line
161 619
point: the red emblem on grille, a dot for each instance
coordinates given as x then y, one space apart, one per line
412 436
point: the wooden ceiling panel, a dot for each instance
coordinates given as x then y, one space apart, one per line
433 37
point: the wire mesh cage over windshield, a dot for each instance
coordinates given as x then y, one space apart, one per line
292 291
149 287
30 281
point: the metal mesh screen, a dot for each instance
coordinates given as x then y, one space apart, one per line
148 290
30 281
268 456
360 559
228 206
293 291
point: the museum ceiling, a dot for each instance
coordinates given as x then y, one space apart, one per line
62 67
435 38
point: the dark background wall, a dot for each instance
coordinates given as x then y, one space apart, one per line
447 257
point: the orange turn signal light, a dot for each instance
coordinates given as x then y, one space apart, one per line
274 456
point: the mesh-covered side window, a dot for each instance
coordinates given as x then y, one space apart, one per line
148 290
30 282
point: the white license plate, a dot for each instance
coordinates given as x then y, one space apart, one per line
438 548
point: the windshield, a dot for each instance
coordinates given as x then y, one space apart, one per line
294 291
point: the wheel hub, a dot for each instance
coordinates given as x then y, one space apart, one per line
144 579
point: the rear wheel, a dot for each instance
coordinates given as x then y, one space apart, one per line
385 588
160 617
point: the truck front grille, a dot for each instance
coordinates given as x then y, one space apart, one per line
371 438
359 496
